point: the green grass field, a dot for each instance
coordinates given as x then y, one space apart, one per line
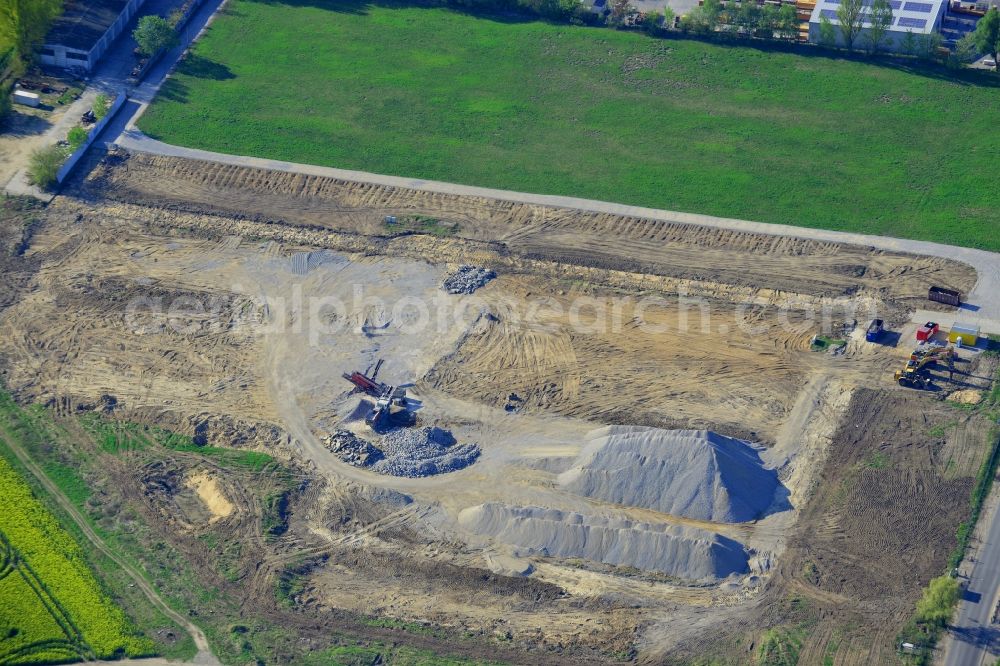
595 113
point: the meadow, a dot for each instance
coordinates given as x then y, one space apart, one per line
721 129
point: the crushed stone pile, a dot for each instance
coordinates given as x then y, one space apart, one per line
410 452
676 550
467 279
423 452
696 474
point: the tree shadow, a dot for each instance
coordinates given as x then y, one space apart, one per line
203 68
507 11
19 124
983 637
927 69
502 11
173 90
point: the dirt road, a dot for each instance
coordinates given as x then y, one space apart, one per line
204 657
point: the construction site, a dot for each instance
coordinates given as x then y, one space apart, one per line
564 436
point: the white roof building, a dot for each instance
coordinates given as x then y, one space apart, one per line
920 17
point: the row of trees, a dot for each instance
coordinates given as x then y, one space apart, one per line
747 18
23 24
859 24
852 17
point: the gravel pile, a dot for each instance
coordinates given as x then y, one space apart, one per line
423 452
697 474
467 279
676 550
410 452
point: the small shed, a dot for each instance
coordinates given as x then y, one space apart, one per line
967 333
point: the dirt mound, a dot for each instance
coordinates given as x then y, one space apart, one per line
966 397
676 550
697 474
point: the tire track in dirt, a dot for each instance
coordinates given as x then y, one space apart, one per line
813 267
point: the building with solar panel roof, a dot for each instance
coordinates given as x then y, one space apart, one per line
920 17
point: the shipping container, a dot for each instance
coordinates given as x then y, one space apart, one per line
927 331
874 330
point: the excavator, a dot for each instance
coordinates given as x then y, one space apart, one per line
914 374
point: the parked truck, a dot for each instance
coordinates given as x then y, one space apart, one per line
942 295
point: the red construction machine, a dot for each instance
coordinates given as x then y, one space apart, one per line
386 396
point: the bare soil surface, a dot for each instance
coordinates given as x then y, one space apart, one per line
225 303
879 526
631 245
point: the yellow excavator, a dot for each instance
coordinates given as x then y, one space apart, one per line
914 374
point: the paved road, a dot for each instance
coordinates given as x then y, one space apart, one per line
973 639
204 657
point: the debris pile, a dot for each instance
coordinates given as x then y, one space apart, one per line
412 452
696 474
352 449
676 550
467 279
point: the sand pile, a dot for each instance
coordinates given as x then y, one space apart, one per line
966 397
692 473
676 550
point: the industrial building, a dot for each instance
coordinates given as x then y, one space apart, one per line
919 17
85 30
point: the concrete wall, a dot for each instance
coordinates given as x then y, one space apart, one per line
66 58
94 132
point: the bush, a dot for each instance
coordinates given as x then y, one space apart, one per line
76 137
938 601
101 106
44 165
5 104
154 34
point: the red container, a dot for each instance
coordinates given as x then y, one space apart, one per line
927 331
